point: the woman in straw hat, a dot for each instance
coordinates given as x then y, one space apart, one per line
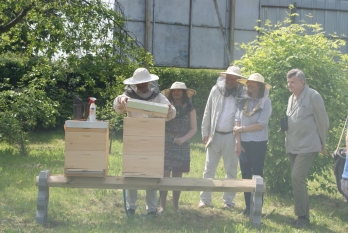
178 133
251 129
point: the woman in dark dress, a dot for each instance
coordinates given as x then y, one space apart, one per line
178 133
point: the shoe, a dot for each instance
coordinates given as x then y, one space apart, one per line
160 211
300 222
131 211
227 206
151 214
246 212
202 205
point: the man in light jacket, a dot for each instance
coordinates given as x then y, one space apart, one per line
217 130
306 136
138 88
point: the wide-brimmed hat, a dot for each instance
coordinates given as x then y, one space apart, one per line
256 78
140 75
179 85
232 70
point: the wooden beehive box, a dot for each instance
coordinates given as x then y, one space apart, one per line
143 147
86 148
146 107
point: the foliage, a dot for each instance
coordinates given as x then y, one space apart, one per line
21 111
200 80
278 49
65 46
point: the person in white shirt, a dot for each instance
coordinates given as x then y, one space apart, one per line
217 130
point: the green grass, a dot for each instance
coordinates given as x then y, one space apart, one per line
92 210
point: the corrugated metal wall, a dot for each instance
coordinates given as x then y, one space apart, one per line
187 33
183 33
331 14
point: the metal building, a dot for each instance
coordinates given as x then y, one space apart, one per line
203 33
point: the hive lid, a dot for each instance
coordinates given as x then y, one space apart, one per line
87 124
147 106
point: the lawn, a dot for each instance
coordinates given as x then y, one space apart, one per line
92 210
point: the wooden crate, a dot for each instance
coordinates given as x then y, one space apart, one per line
86 148
143 147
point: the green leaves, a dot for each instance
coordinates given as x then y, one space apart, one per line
50 49
278 49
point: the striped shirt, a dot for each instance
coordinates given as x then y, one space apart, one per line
260 117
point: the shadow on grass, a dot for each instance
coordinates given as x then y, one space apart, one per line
278 219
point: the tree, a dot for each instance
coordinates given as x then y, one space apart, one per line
278 49
79 46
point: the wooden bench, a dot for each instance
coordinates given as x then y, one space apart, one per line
256 186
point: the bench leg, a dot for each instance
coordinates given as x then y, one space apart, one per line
42 198
256 202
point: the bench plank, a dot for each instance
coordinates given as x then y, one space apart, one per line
256 186
166 184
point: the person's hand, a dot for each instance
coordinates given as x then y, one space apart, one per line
170 111
237 130
238 149
124 100
324 151
205 139
179 141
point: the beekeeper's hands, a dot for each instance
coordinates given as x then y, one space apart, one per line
124 100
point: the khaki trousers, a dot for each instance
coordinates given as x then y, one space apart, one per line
221 146
300 164
151 201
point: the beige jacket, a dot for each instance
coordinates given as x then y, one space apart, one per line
308 123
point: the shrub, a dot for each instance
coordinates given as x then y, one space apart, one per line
278 49
200 80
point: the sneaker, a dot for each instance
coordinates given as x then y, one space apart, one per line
227 206
202 205
300 222
131 211
160 211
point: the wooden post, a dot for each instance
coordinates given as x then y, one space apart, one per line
42 198
256 201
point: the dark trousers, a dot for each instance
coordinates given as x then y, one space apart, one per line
252 162
300 165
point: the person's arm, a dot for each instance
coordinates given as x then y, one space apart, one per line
249 128
345 170
344 180
347 144
191 132
171 109
238 147
207 119
261 121
321 119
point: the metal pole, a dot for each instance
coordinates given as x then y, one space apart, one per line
222 31
232 26
147 25
189 39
